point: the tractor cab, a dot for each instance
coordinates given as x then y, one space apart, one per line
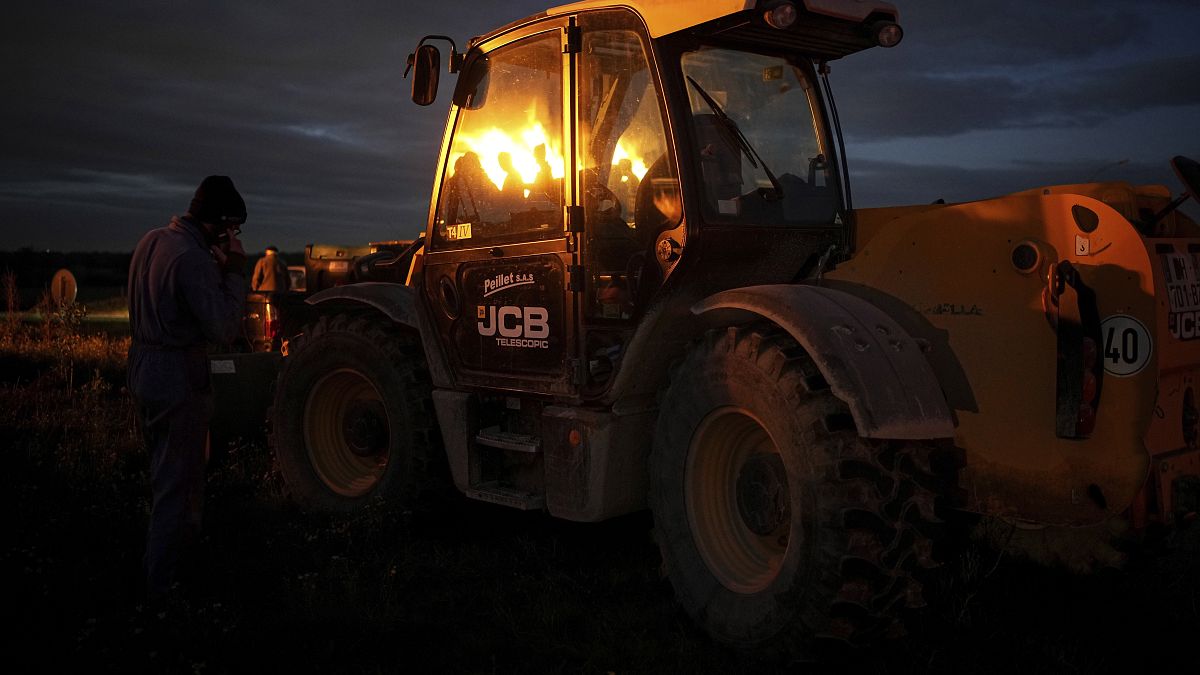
606 167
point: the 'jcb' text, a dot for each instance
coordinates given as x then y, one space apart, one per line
521 327
1184 325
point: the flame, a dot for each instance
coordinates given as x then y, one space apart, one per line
639 164
490 143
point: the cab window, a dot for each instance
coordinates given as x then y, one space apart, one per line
503 177
755 140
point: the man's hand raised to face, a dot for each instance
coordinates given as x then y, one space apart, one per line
230 254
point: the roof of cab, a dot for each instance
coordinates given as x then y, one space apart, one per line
668 16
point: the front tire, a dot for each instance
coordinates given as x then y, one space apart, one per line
351 421
778 524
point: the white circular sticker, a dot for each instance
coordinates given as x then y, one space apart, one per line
1127 345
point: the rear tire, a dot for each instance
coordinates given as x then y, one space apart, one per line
778 524
352 419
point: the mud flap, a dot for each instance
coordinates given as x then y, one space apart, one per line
243 385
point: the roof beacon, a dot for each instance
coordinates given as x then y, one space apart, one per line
781 16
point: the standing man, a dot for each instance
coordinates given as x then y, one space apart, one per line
186 290
270 273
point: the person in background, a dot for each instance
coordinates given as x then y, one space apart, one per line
625 187
187 290
270 273
512 191
470 194
545 187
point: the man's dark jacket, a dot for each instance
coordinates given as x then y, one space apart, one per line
179 301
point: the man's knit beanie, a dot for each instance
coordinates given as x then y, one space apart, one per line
217 201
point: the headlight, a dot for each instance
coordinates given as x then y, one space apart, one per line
781 16
887 33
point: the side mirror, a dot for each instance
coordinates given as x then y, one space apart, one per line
425 64
471 90
1188 171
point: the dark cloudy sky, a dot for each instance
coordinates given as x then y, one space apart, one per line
114 111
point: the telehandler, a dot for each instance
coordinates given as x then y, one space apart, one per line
642 284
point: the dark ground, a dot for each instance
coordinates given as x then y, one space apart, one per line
470 588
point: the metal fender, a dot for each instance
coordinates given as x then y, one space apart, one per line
399 303
869 361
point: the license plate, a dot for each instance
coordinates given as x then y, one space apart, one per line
339 266
1183 295
1182 289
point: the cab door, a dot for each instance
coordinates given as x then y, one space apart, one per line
629 188
499 256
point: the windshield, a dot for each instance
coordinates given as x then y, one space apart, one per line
759 153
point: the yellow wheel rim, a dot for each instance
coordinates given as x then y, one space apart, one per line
737 500
346 432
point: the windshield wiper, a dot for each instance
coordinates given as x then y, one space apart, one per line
742 142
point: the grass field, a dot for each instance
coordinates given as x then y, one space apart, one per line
464 588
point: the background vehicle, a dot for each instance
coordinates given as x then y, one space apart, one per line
243 379
643 284
298 278
271 316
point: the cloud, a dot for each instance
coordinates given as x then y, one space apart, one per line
930 104
115 111
987 65
967 34
302 103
